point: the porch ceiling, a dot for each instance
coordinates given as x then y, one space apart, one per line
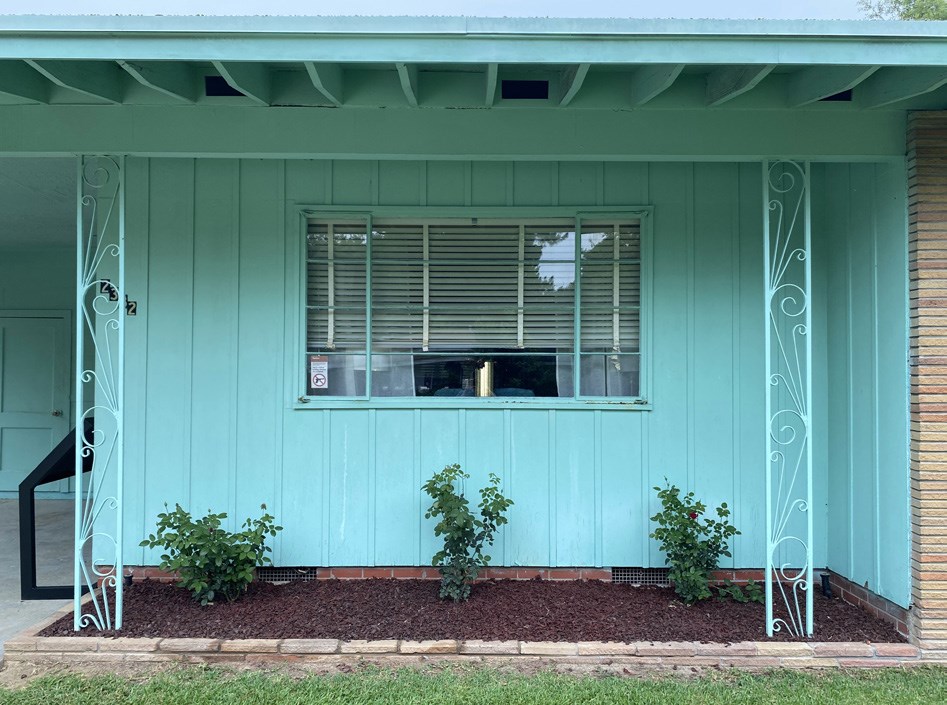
464 62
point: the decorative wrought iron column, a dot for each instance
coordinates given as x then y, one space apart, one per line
99 392
788 311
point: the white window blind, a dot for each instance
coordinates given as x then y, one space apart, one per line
451 286
335 291
611 287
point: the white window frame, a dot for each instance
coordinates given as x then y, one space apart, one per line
297 341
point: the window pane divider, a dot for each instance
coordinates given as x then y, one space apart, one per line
465 307
368 306
520 287
470 261
330 243
426 253
576 314
616 290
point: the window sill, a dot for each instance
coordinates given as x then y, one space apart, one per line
318 404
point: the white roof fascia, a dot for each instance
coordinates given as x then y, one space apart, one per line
473 40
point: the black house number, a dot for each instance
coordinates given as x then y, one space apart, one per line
105 287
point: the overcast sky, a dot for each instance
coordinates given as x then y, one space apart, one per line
773 9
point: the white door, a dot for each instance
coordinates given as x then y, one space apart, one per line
34 393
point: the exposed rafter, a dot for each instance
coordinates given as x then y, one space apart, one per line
571 81
327 78
98 79
891 85
491 84
408 75
174 79
812 84
728 83
649 82
251 79
20 81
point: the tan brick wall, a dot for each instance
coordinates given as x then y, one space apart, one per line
927 206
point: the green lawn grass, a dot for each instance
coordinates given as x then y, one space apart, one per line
927 686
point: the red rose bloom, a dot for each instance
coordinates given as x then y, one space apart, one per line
693 515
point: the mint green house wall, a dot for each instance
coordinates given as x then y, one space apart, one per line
37 278
859 222
212 260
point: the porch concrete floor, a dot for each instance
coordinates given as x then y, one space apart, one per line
54 532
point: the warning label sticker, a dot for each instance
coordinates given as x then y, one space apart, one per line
318 372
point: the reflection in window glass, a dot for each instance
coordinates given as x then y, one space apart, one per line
455 375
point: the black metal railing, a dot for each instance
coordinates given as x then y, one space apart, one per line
59 464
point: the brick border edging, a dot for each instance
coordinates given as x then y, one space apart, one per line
77 651
871 602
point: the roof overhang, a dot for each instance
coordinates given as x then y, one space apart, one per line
473 40
459 62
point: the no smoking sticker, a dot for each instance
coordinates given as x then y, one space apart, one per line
318 372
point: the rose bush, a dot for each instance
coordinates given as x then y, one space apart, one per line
693 545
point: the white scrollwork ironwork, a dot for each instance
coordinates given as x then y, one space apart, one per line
99 393
788 278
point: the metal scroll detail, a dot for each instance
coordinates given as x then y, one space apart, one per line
99 392
788 276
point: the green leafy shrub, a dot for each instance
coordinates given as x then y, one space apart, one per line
751 592
209 561
465 536
693 543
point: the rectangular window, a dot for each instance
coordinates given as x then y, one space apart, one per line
466 307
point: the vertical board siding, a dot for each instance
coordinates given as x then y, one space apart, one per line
396 528
138 523
303 475
446 183
488 184
861 371
483 454
348 489
712 325
820 379
576 464
670 446
892 508
625 490
260 302
749 444
170 303
218 250
860 227
532 474
215 325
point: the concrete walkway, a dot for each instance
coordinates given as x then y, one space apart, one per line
54 532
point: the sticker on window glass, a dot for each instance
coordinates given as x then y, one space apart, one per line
318 372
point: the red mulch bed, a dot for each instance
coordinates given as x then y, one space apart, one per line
527 610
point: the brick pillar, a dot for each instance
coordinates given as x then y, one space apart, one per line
927 208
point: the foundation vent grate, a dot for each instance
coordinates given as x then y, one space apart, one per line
285 575
648 577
